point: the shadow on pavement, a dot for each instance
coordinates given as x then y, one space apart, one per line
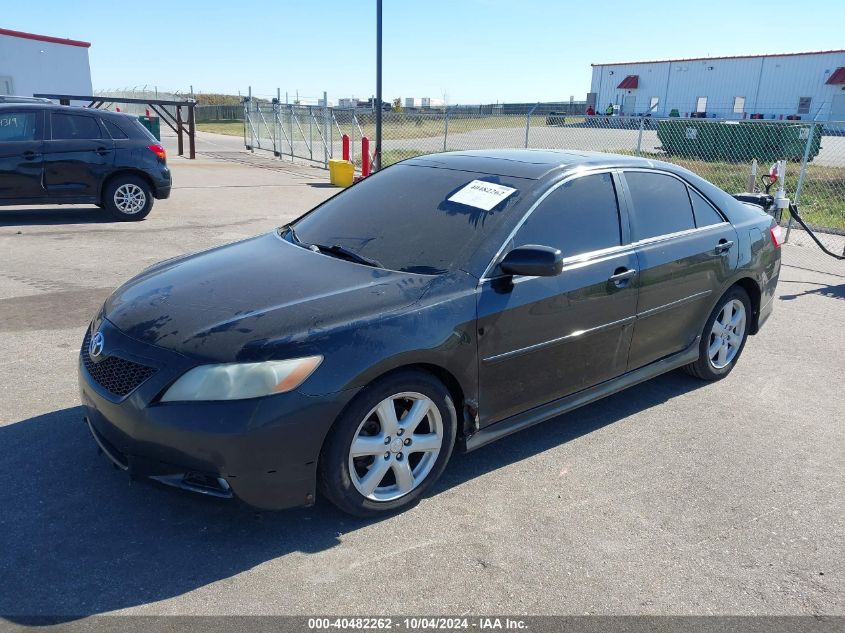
824 290
76 538
55 215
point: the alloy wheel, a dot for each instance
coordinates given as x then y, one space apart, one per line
130 199
396 446
727 334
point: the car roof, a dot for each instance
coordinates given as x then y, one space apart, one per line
26 105
534 164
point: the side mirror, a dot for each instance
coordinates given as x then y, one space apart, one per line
533 260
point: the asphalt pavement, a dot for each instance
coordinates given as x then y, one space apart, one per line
673 497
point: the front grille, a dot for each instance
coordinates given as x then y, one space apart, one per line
115 374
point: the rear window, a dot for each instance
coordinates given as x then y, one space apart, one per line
661 204
705 214
402 218
114 130
74 127
18 126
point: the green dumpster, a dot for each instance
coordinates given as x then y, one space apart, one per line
680 137
153 124
738 140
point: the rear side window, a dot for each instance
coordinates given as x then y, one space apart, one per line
114 130
74 127
661 204
705 214
18 126
580 216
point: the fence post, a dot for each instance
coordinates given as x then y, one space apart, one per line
249 120
446 128
328 147
811 132
528 123
640 136
290 120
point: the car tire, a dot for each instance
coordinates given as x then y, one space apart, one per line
724 336
369 466
128 198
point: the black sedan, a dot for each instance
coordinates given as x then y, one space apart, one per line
447 301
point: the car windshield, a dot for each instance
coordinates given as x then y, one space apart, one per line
402 219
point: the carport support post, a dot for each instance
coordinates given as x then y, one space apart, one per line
192 132
811 132
179 130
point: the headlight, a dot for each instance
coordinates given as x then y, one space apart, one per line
237 381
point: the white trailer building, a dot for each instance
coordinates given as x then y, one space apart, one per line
809 85
31 63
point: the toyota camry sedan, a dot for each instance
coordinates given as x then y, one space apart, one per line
441 304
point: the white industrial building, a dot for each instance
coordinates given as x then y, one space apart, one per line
31 64
809 85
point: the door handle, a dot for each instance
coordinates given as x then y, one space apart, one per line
30 155
621 276
723 245
102 151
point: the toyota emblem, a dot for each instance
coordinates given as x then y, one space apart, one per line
95 347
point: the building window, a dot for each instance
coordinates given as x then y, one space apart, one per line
701 104
804 105
652 103
6 86
739 105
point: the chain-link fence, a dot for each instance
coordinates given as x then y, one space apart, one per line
719 150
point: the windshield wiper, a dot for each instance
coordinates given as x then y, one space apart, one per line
342 251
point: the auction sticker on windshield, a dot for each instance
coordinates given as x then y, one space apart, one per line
482 195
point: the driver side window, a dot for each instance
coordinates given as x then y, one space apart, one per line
578 217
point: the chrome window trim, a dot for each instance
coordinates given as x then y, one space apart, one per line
623 170
593 256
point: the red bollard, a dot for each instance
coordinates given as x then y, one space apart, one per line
365 157
345 139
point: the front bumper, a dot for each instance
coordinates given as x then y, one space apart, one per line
263 451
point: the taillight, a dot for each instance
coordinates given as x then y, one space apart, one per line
159 151
776 235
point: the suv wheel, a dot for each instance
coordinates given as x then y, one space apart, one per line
128 198
724 336
390 445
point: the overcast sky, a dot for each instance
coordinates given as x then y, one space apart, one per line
471 51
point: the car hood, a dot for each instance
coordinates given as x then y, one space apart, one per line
253 299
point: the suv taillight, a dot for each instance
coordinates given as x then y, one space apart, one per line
159 151
776 235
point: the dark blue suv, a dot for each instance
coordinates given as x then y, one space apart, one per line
52 154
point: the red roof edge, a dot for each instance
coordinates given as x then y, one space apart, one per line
630 82
837 76
45 38
705 59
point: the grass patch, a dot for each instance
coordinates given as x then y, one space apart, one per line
230 128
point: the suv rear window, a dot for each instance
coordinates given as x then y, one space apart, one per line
18 126
74 126
114 129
